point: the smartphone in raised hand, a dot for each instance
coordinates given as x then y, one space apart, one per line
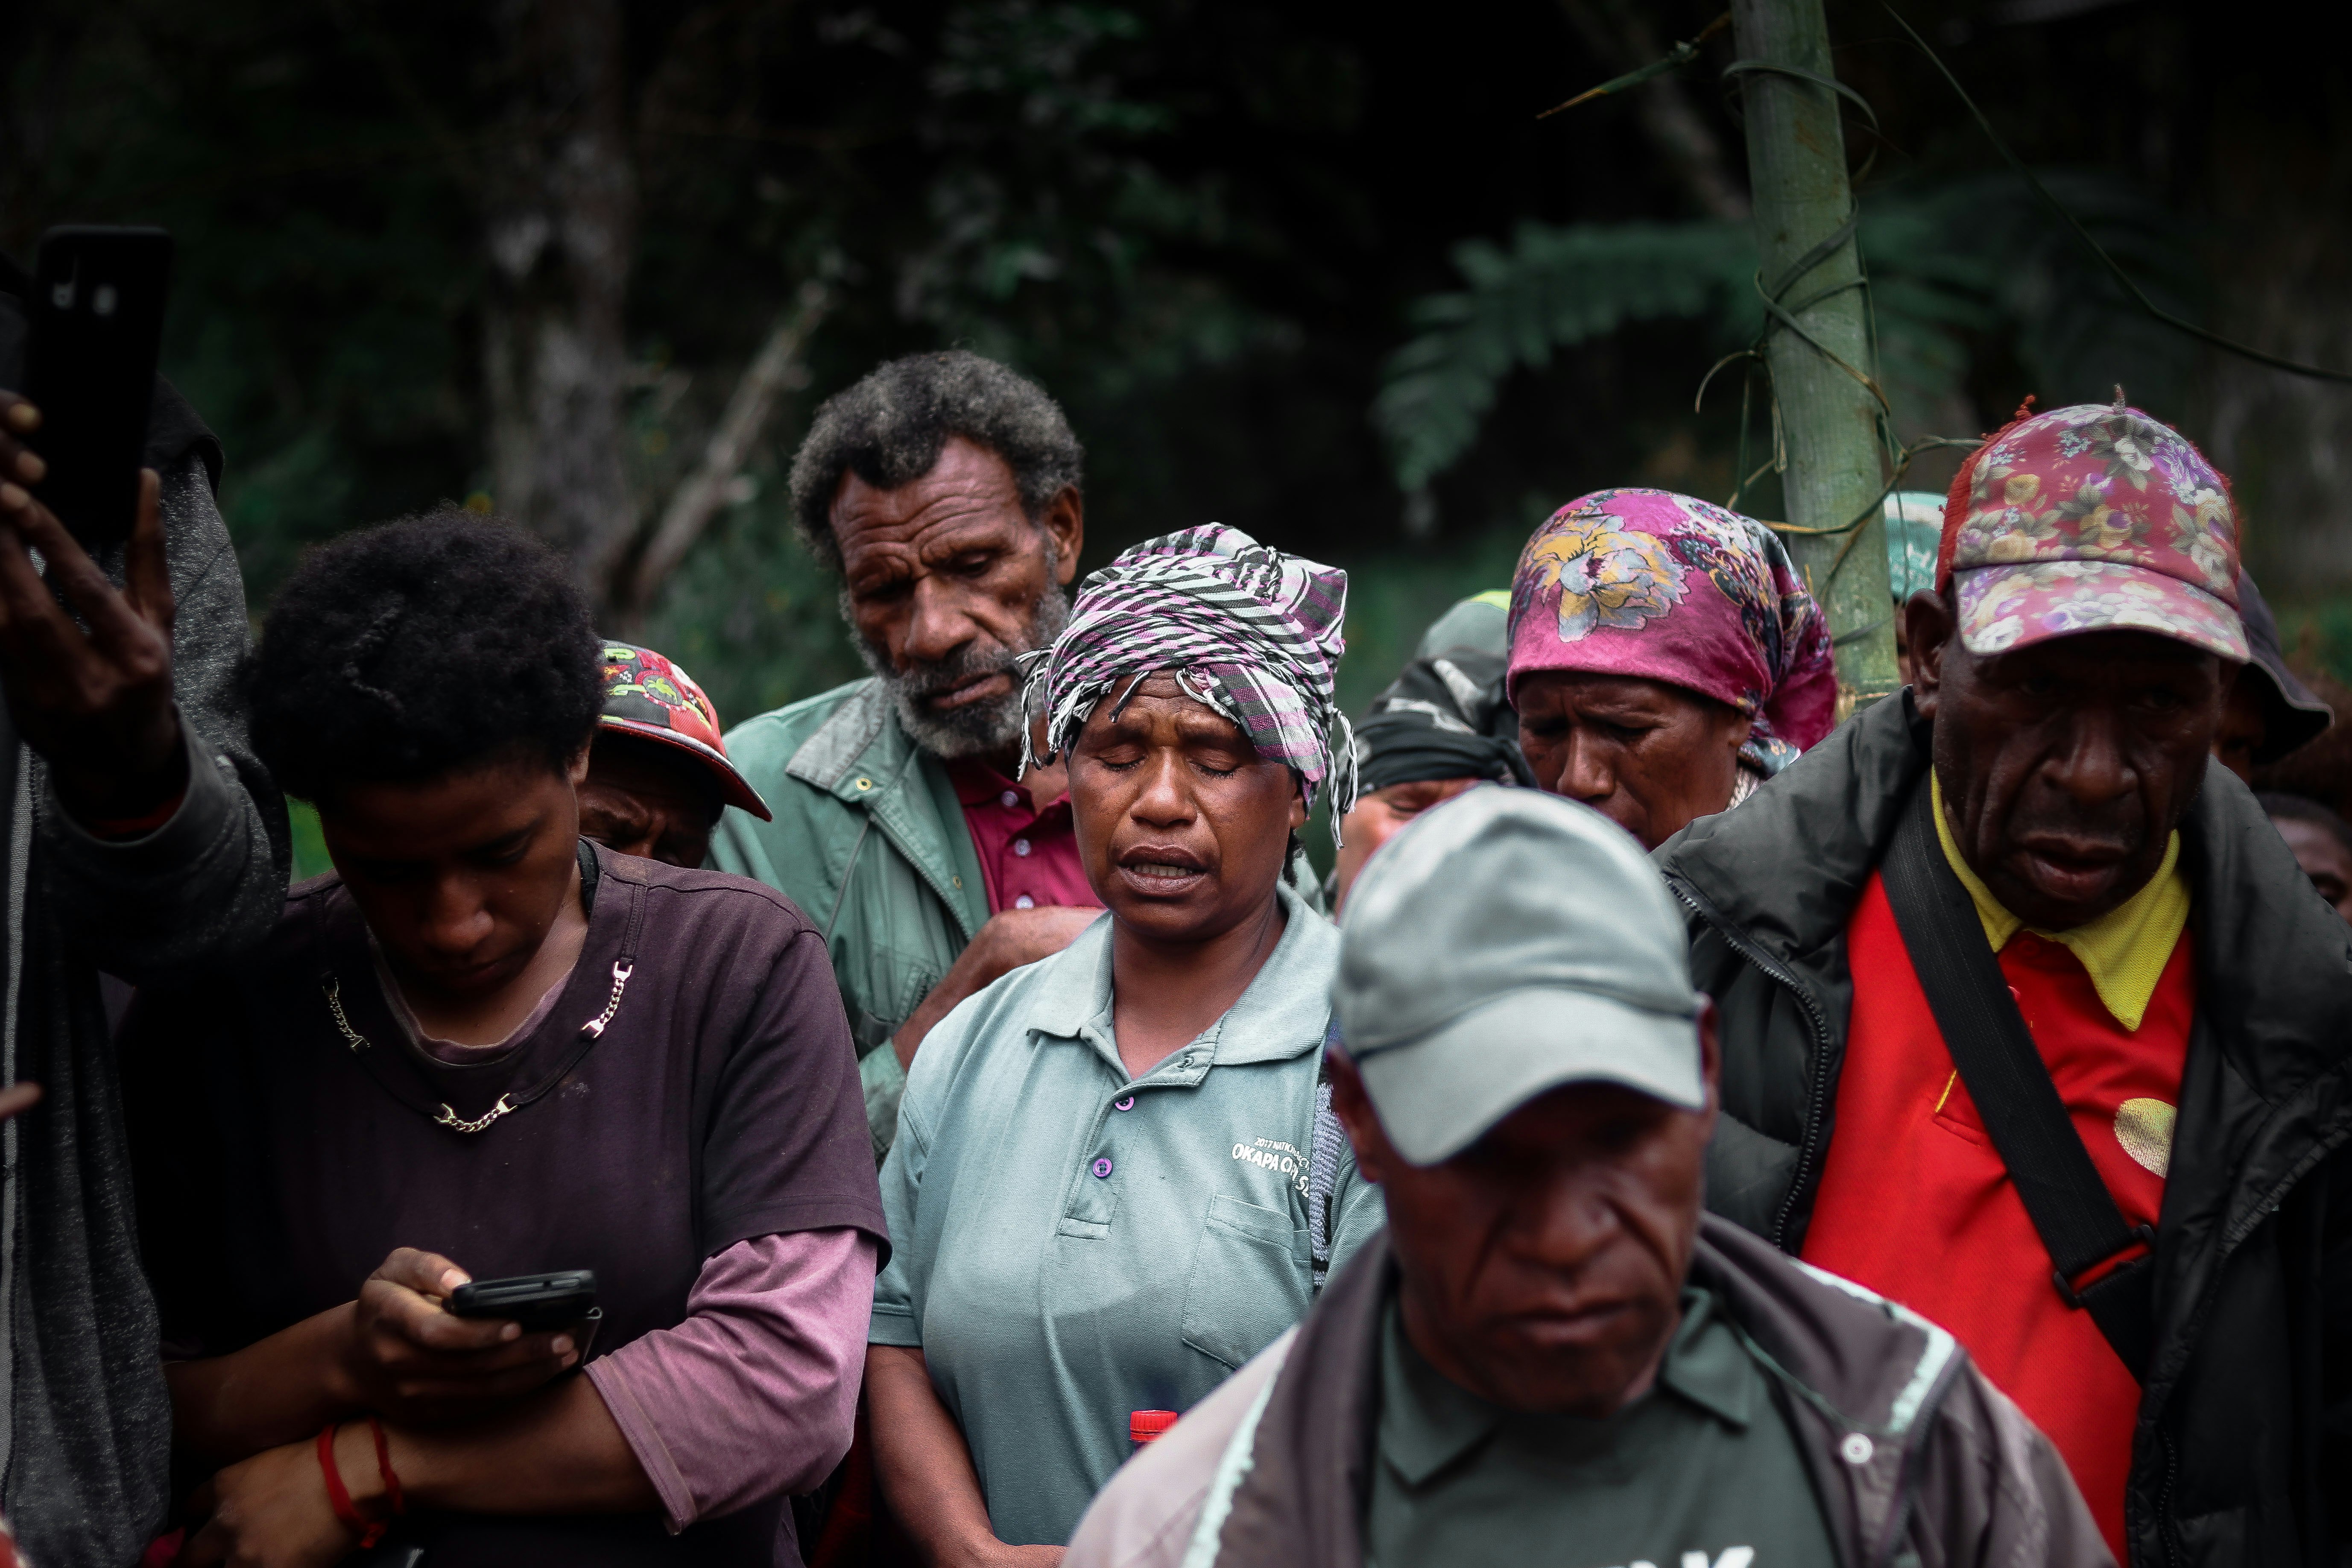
96 326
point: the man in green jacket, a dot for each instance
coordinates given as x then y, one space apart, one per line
945 489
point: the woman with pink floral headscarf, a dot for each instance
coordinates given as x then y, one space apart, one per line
1665 658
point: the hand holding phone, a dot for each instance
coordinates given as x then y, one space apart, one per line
404 1354
93 698
96 703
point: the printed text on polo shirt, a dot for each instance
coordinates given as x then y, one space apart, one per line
1274 1155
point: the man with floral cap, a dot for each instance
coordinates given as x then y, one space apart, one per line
2030 1022
658 775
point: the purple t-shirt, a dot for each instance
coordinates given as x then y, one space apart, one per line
279 1163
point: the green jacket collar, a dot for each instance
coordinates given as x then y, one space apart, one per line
859 751
863 758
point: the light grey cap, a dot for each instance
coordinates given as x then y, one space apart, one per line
1504 943
1482 621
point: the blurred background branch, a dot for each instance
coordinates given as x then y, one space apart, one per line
1619 34
773 371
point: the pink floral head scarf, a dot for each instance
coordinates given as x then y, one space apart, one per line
1648 582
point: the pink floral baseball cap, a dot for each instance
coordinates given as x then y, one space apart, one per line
651 699
2093 518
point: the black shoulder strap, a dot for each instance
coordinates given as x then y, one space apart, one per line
591 870
2069 1204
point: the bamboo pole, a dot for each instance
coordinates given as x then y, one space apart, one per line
1827 417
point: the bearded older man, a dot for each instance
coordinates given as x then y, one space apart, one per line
944 489
2032 1023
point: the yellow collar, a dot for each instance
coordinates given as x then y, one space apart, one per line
2125 951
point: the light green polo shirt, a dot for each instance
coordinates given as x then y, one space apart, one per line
1702 1472
1069 1245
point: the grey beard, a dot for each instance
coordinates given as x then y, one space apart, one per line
978 729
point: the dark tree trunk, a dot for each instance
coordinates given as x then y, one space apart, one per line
560 220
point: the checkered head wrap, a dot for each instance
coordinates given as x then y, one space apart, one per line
1252 631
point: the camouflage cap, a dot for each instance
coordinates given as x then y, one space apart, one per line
649 697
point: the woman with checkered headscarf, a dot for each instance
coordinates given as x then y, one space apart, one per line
1107 1189
1251 632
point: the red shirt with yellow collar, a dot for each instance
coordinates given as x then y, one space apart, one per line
1915 1203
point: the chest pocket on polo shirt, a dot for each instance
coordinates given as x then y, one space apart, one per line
1249 1280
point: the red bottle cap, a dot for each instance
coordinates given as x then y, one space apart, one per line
1143 1425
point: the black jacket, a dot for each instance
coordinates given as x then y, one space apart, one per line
2244 1440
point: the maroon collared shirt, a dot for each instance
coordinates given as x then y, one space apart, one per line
1027 857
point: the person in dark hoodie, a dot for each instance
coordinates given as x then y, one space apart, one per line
1442 727
145 839
1551 1354
2032 1022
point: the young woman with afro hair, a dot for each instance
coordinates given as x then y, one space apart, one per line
484 1047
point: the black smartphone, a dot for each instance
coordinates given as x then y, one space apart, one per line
90 367
538 1301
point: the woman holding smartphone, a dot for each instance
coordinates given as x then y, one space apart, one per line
481 1049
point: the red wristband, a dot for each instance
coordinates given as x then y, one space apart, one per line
384 1467
338 1497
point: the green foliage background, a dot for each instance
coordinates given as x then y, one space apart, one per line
1313 270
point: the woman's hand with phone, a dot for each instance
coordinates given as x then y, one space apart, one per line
405 1357
96 703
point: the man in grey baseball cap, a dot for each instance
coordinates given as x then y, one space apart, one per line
1470 982
1551 1344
